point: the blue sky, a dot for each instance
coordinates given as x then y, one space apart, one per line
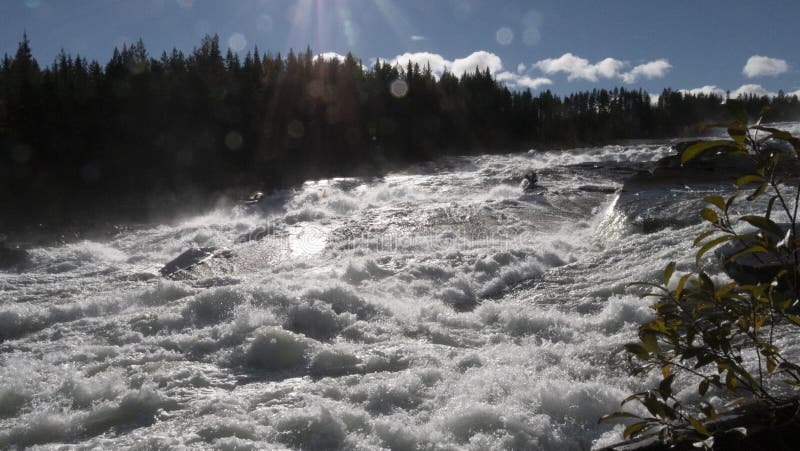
561 45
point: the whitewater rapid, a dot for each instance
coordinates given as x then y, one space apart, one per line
440 307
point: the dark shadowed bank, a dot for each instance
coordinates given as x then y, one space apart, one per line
143 137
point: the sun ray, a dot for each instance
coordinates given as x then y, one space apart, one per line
348 27
395 18
301 22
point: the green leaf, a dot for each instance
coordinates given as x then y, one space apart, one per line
681 284
698 426
634 429
668 271
747 179
706 281
715 200
730 381
709 215
709 411
694 150
749 250
772 365
649 341
665 387
615 415
738 132
703 388
769 206
738 112
637 350
704 360
710 245
764 224
654 406
759 191
725 289
776 133
702 236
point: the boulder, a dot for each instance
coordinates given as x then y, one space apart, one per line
256 234
191 258
710 167
529 181
758 267
671 194
597 189
254 198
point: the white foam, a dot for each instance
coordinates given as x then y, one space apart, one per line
276 349
445 309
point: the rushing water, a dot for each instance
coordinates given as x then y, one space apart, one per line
436 308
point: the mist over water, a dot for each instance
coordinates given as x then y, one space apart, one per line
440 307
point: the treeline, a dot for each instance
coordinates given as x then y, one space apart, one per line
202 122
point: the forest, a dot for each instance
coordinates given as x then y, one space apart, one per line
77 134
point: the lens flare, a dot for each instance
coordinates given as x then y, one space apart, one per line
264 23
399 88
504 36
237 42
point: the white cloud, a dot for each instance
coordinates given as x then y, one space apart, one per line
706 90
580 68
327 56
574 66
437 62
794 93
506 76
416 37
752 89
653 69
763 66
654 98
513 80
480 60
533 83
609 67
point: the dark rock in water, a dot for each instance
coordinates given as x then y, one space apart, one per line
254 198
598 189
529 181
255 235
756 267
709 168
656 208
192 258
658 199
13 259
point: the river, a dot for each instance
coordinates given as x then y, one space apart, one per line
439 307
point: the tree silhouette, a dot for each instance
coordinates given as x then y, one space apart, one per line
178 126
